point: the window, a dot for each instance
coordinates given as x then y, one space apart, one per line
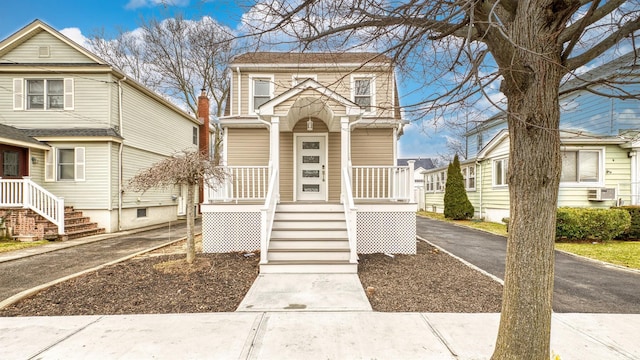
297 79
43 94
479 142
441 180
261 91
581 166
469 176
362 93
428 182
142 212
10 165
500 172
194 136
65 164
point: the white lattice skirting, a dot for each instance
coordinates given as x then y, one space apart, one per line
230 231
386 232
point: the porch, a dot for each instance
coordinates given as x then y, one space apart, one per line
375 214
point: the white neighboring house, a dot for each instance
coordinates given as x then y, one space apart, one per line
600 140
420 166
73 131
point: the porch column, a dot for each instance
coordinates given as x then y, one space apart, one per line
412 181
635 182
274 151
345 150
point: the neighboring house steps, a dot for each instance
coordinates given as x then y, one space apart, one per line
309 238
26 222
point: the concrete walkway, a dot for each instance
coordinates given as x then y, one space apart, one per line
302 335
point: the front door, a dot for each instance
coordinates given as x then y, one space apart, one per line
311 168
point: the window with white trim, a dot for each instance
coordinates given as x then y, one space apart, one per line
363 92
441 180
43 94
500 171
581 166
194 135
262 89
469 176
65 164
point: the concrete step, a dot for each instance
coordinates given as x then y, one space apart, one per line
296 244
309 224
309 267
308 255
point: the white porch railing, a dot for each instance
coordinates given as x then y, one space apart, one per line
27 194
350 213
267 215
383 183
241 183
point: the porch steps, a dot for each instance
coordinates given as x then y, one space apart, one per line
75 225
309 238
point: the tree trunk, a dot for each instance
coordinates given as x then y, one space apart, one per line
191 217
532 74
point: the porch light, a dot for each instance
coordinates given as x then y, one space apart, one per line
309 125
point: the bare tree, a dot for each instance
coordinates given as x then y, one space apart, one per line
186 168
529 47
175 57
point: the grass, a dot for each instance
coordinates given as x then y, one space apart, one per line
10 245
623 253
494 228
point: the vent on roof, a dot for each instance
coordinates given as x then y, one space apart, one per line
43 51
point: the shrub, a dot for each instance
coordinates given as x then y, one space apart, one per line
456 203
633 233
591 224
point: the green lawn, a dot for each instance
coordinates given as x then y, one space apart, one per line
624 253
9 245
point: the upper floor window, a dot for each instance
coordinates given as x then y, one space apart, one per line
362 91
43 94
441 180
500 168
581 166
261 88
479 147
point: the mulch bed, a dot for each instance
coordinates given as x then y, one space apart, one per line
430 281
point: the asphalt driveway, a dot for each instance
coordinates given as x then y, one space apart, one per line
581 286
28 272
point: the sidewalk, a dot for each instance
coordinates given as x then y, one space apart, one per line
302 335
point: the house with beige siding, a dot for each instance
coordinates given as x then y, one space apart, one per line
310 150
73 130
600 140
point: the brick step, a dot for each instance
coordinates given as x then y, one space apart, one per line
78 227
83 233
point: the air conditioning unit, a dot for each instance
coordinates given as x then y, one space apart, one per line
601 194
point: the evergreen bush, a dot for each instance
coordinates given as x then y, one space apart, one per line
456 203
591 224
633 233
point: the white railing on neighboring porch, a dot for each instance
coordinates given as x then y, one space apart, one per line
241 183
350 213
267 215
383 183
27 194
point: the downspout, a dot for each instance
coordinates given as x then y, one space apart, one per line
239 90
120 151
479 163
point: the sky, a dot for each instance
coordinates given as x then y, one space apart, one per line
82 18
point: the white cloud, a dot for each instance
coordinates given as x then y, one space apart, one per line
75 34
135 4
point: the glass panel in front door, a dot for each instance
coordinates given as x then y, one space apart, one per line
311 168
